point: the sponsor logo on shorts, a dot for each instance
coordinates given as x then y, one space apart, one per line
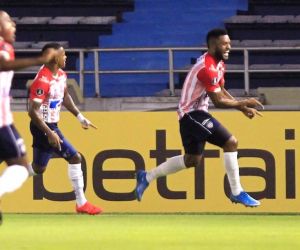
209 125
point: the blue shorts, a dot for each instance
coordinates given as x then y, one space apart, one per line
43 151
11 143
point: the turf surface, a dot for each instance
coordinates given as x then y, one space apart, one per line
150 231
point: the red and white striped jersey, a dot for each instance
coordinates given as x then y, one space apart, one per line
6 118
207 75
49 90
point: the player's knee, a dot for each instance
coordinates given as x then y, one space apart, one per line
192 160
75 159
231 144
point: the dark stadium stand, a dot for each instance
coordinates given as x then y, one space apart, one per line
272 7
161 23
72 22
267 23
60 20
67 7
158 24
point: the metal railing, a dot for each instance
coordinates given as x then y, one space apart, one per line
246 70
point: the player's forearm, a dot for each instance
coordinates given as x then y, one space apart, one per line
70 105
18 64
229 96
226 103
35 118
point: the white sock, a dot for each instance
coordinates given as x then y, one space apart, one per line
172 165
232 170
31 171
76 177
12 178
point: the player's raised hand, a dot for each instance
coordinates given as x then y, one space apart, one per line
251 112
85 123
54 140
48 55
252 103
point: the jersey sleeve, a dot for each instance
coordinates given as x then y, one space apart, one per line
39 89
209 77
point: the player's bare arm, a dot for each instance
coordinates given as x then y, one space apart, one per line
70 106
69 103
226 93
53 138
221 100
18 64
250 110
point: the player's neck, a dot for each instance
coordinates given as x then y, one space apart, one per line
213 55
53 68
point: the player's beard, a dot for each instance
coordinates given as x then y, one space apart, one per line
219 55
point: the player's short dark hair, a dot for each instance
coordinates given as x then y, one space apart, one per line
55 46
215 34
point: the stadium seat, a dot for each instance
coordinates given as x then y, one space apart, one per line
34 20
256 43
296 19
286 43
66 20
34 69
15 19
290 66
277 19
264 66
98 20
244 19
234 43
234 67
22 45
40 45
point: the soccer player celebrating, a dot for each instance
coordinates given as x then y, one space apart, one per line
47 93
206 80
12 147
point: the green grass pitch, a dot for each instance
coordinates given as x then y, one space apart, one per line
150 231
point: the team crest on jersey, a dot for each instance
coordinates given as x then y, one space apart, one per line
214 81
39 92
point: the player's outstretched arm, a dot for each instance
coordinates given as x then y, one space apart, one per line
70 105
227 94
17 64
220 100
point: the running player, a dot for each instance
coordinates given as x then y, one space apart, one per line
47 93
12 147
206 80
